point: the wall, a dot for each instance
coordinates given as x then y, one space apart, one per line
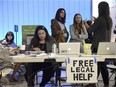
38 12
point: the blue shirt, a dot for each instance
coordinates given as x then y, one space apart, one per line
13 45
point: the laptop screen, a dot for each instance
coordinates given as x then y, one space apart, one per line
107 48
69 48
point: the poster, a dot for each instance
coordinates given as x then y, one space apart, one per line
27 33
81 70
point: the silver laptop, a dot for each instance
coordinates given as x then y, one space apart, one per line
107 48
69 48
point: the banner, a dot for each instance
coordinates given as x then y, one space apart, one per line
27 33
81 70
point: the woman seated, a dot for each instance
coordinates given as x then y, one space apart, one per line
9 42
41 41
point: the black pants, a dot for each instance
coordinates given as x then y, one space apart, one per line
59 70
104 72
103 69
33 68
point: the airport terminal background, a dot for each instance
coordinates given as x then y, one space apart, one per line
40 12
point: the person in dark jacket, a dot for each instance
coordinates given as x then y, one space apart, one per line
102 33
42 41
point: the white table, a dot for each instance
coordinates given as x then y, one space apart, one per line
100 58
26 58
59 58
21 58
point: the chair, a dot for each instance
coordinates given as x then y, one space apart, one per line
63 68
36 76
112 67
57 67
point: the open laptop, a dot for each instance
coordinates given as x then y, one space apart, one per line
107 48
69 48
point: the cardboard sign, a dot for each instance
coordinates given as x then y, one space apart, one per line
81 70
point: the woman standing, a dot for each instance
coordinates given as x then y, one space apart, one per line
58 28
59 31
78 31
101 29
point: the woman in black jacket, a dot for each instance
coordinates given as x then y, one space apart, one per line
102 33
42 41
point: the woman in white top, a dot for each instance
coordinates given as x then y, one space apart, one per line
78 31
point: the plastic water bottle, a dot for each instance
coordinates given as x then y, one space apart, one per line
54 48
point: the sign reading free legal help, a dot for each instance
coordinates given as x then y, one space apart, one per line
81 70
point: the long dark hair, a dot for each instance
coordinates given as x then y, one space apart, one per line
36 38
9 34
79 27
104 11
57 17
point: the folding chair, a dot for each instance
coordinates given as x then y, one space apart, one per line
112 67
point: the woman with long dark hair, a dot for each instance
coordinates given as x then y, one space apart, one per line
41 41
58 28
59 31
9 40
102 33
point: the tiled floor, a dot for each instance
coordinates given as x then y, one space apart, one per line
23 83
63 84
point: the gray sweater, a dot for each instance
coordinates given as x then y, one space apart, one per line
75 36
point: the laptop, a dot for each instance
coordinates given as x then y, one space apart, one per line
107 48
69 48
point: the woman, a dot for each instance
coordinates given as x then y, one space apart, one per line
102 33
58 28
59 31
78 31
9 40
42 41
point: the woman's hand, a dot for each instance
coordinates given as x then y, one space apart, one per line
36 49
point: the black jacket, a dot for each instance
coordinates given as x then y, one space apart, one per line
101 33
48 45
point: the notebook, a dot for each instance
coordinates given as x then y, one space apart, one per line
69 48
107 48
